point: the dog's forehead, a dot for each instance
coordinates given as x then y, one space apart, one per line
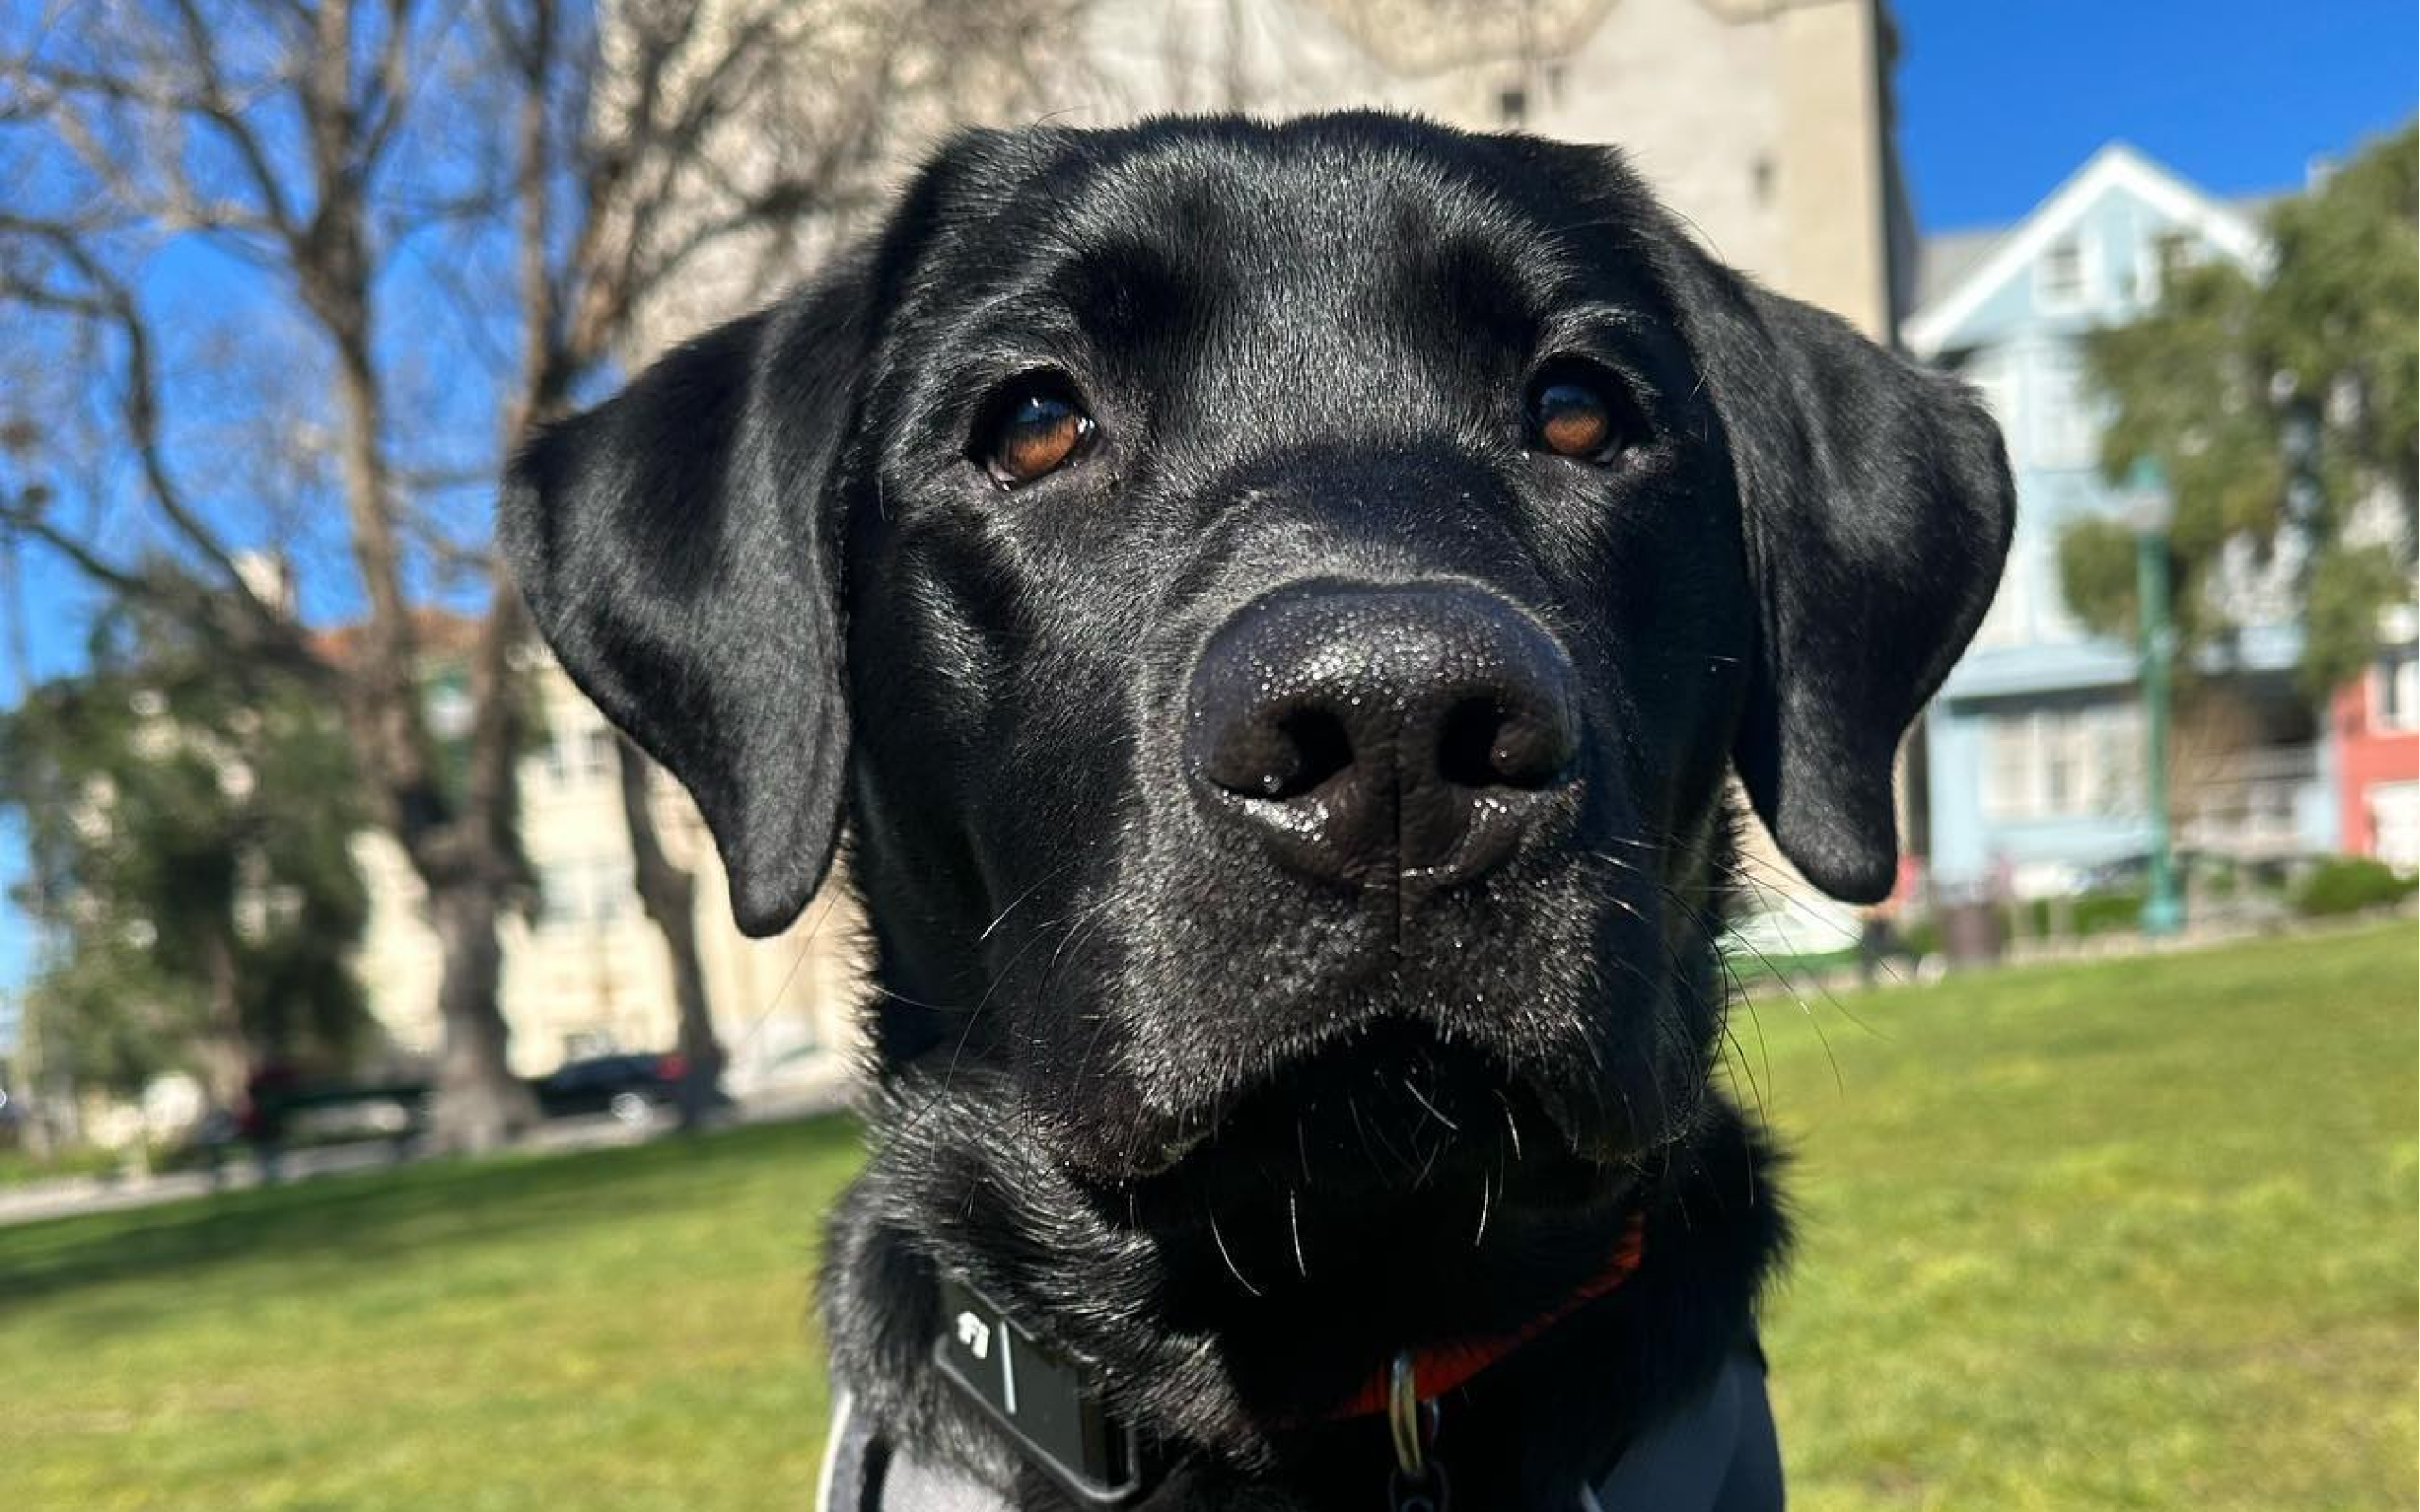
1329 206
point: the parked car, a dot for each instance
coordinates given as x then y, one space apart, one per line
1802 931
1785 937
628 1086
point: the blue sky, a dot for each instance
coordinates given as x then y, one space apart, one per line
1997 104
2000 102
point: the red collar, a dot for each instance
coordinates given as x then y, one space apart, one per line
1440 1367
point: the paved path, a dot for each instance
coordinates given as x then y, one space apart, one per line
87 1193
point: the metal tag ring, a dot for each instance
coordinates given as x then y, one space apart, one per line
1409 1427
1418 1493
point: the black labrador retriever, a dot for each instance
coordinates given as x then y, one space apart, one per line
1275 608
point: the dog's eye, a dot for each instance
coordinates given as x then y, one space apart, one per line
1034 429
1572 419
1579 416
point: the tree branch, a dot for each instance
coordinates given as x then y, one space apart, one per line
111 302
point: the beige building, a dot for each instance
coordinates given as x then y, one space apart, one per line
1766 122
587 972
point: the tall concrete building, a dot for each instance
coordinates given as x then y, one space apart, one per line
1766 122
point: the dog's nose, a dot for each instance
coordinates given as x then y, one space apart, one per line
1383 735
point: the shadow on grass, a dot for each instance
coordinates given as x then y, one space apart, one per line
387 1213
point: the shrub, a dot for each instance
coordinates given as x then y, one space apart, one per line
2101 912
2347 885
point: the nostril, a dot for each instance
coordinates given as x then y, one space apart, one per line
1320 748
1483 744
1280 753
1466 743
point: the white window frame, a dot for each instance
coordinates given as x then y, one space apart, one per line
2392 835
2397 673
2100 782
2063 431
2050 299
597 759
2151 263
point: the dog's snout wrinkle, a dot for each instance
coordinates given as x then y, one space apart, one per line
1386 736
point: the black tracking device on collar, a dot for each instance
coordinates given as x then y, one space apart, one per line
1038 1399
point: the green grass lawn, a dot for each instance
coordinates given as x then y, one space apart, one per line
2137 1234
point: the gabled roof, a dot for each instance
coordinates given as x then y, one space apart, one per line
1964 289
1945 258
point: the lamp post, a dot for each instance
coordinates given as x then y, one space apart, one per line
2153 509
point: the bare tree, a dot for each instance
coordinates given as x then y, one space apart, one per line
264 135
723 147
569 175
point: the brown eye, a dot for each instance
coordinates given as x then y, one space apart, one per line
1572 419
1036 430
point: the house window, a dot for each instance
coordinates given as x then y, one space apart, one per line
596 892
2066 427
579 754
2008 767
2059 276
2168 253
2395 696
609 894
2062 775
597 753
2394 823
1512 105
2063 764
587 1044
559 900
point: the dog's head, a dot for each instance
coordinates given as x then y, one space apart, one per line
1277 607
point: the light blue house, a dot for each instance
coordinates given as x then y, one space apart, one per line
2033 764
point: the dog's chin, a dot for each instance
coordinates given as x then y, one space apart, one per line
1386 1192
1393 1138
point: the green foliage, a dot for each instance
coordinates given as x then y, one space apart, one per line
2348 584
2207 383
2347 885
2106 912
2101 911
2096 573
191 825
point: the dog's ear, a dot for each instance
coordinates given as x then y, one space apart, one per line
1877 504
674 550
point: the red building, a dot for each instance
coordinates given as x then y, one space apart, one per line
2376 719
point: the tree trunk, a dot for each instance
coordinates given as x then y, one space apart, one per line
669 895
222 1050
480 1104
459 844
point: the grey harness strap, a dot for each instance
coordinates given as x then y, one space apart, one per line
1717 1455
862 1472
